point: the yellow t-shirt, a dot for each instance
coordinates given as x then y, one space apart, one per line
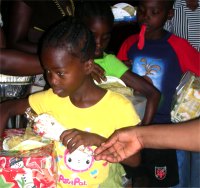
112 112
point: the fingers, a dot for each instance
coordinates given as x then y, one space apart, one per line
96 78
98 73
73 139
70 140
108 144
65 135
111 157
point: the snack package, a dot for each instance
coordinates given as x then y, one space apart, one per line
117 85
186 104
123 12
46 126
30 168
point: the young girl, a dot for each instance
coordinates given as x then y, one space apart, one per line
99 19
89 113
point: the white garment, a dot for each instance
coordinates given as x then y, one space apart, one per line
1 21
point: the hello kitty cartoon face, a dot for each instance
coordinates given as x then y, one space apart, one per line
78 161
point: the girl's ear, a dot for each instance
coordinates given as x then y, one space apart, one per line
89 66
170 14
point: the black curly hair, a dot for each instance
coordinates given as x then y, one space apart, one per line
88 9
73 35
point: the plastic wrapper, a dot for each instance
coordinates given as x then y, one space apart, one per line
186 103
116 85
124 12
46 126
31 168
14 86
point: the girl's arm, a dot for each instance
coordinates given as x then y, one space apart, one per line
147 89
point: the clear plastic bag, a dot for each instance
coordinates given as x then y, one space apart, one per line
186 102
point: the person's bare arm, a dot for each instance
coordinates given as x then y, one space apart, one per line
19 25
125 142
11 108
17 63
185 136
152 95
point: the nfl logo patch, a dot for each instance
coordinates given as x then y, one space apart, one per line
160 172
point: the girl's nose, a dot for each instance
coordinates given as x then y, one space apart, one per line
146 15
53 81
98 41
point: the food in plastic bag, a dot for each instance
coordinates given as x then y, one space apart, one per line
186 104
27 141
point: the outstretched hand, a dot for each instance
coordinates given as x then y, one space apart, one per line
122 144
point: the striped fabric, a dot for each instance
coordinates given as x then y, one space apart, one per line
185 23
1 22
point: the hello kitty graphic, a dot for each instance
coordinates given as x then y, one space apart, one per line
78 161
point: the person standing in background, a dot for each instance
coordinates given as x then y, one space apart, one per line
186 21
27 21
98 17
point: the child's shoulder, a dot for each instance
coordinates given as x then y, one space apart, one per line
46 94
117 97
179 40
132 39
181 44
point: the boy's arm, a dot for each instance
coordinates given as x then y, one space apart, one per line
152 95
11 108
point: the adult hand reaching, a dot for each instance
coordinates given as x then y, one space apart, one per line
127 141
119 146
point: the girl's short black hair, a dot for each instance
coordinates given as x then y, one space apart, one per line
72 35
89 9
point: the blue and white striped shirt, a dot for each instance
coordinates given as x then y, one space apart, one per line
185 23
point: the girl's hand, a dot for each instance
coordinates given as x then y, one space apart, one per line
98 73
73 138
